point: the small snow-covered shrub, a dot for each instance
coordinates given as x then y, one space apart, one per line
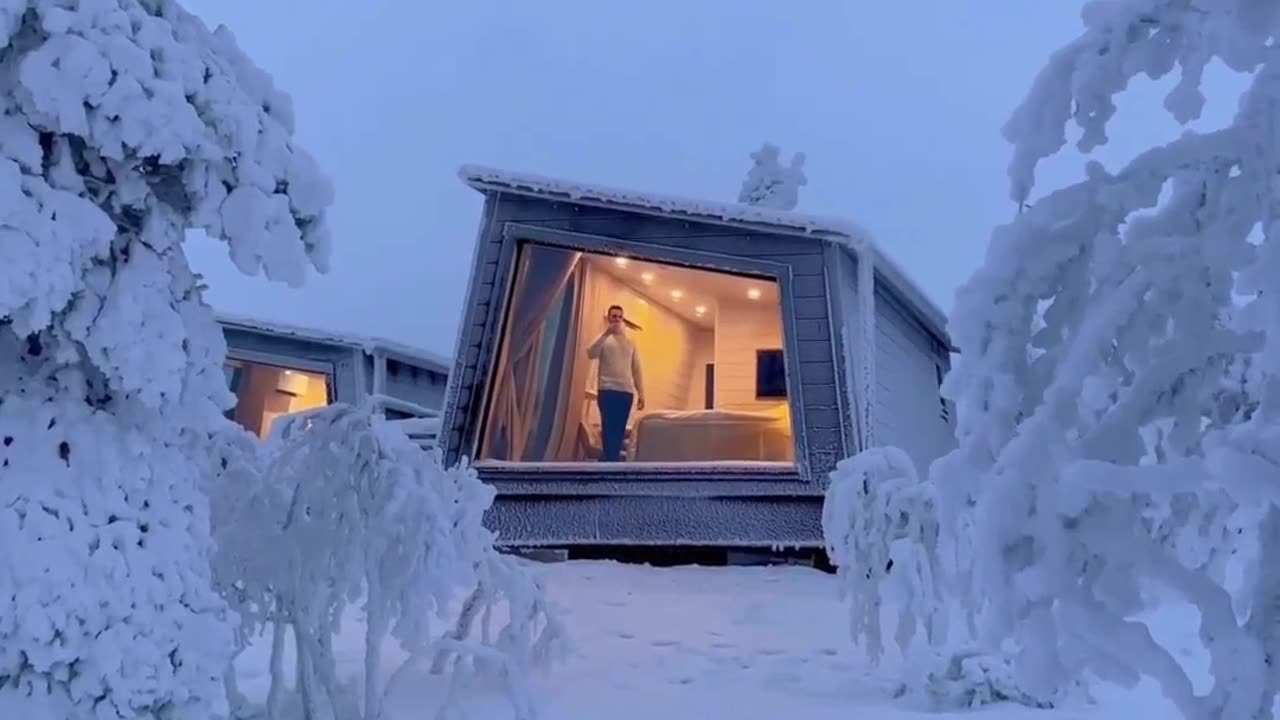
881 525
970 680
123 124
769 183
882 531
345 509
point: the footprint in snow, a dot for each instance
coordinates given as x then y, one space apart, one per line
769 651
627 636
723 645
665 643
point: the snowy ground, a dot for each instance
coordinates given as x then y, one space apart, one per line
697 643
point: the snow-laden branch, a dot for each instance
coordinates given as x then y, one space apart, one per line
880 523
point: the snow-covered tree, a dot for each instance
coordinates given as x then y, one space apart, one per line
769 183
880 523
342 509
123 123
1093 345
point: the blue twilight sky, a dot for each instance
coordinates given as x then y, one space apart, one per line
898 106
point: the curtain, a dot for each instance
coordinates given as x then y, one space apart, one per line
538 293
550 422
575 371
592 304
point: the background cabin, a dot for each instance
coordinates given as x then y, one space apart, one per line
276 369
768 355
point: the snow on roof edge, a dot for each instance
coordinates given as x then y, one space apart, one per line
667 204
839 230
436 361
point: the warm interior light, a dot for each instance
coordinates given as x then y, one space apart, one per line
700 309
621 262
647 277
677 294
753 293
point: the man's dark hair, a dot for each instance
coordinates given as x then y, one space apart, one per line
616 307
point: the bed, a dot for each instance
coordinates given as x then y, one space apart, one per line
710 435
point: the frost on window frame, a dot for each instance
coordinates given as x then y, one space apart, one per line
565 390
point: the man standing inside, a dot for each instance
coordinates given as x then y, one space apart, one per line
619 383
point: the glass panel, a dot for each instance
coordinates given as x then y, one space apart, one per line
587 337
265 392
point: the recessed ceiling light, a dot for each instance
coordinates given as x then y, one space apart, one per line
677 294
647 277
621 262
753 293
700 309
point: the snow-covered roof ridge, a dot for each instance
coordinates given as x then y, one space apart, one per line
435 361
833 229
668 204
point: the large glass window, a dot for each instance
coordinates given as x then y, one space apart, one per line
617 359
265 392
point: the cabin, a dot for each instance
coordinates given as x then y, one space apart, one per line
771 345
276 369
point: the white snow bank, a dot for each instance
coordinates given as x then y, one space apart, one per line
699 643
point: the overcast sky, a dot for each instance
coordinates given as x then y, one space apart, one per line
898 106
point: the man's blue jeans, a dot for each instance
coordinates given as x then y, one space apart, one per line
615 409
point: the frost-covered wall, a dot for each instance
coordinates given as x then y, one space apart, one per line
909 411
909 359
410 381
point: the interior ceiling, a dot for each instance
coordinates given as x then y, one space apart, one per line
697 288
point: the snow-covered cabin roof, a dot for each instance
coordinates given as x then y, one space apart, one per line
399 351
837 230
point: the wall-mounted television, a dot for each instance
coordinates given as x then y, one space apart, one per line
771 375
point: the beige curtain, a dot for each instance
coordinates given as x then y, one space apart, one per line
578 371
541 275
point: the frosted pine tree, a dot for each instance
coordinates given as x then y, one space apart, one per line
1093 346
122 124
769 183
